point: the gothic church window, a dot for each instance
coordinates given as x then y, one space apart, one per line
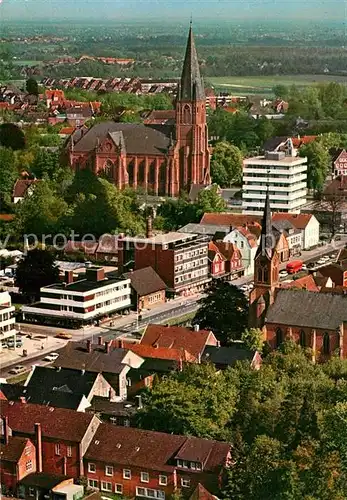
186 114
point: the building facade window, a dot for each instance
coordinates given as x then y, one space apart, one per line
126 474
118 488
28 465
69 451
149 493
302 338
93 483
109 470
185 482
144 477
91 467
279 337
106 486
57 449
162 480
326 343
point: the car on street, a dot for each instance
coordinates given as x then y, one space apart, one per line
63 335
333 256
320 262
311 265
16 370
51 357
11 343
283 274
304 267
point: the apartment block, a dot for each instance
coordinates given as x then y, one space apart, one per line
7 318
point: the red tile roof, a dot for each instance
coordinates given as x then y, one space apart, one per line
201 493
22 185
67 131
213 250
228 250
148 351
306 283
248 235
299 221
12 451
6 217
56 423
153 450
306 139
229 219
178 337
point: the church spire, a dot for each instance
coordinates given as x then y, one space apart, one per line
191 86
267 238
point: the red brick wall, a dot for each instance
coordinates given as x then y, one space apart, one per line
29 454
161 260
145 303
54 464
11 473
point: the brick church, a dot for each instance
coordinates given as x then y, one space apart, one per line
162 159
315 320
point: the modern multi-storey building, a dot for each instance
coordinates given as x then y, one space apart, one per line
7 319
284 173
180 259
83 301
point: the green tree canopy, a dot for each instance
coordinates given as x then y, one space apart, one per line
35 270
32 86
8 174
318 164
11 136
226 164
224 310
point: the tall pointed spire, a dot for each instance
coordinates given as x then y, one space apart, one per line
191 86
267 238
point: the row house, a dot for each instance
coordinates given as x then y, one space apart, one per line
81 302
61 436
146 464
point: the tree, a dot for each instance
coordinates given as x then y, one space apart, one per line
209 200
226 164
253 339
176 213
280 91
197 401
318 163
32 86
11 136
8 174
224 310
35 270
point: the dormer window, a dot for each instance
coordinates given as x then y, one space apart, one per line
185 464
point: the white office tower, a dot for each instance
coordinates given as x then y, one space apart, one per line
286 175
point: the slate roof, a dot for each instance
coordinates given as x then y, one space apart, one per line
308 309
154 450
209 229
57 423
191 85
176 337
227 355
12 392
43 480
63 385
116 408
145 281
138 138
12 451
75 356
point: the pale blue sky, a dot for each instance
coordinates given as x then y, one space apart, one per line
164 9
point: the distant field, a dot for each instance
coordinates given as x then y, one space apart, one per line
21 62
264 84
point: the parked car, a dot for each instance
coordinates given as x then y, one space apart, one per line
63 335
311 265
16 370
304 267
11 344
51 357
320 262
283 274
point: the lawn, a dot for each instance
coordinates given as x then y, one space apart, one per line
264 84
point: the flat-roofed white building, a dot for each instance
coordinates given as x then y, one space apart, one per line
7 318
284 173
83 301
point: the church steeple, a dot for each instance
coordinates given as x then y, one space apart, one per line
191 85
267 239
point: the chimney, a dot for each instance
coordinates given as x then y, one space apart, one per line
89 346
107 347
100 341
68 277
95 274
38 435
196 328
139 404
64 466
6 430
149 227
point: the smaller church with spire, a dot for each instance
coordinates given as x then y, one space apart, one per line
161 159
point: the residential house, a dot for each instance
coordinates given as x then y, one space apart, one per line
116 412
147 288
181 260
146 464
230 219
107 248
247 243
18 459
61 436
43 486
201 493
23 188
80 302
233 258
227 356
282 246
306 223
66 387
193 341
216 261
292 234
340 163
308 282
105 358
